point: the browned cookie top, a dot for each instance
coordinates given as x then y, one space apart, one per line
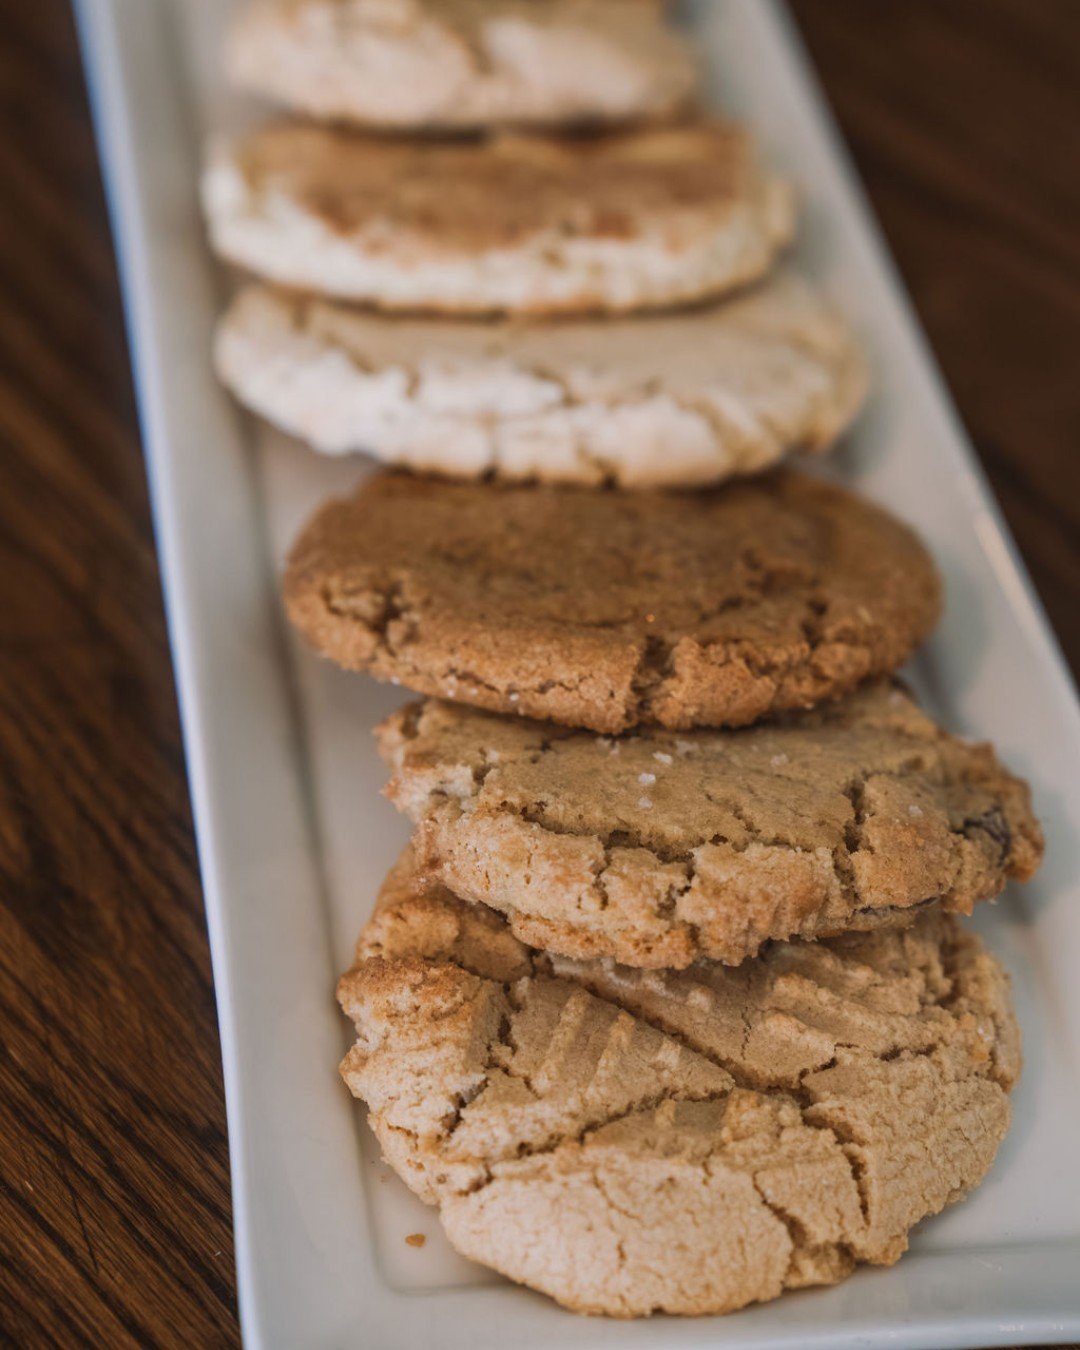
450 195
537 224
606 609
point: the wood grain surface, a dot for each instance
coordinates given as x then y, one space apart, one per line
114 1196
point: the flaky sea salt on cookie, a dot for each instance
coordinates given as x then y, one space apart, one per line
609 609
657 849
460 64
518 224
633 1143
655 400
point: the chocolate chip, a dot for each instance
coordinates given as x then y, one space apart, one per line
994 824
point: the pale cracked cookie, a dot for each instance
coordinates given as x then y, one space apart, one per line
651 401
518 224
632 1142
657 849
609 609
461 64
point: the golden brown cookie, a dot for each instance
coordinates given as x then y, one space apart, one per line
517 224
611 609
460 64
632 1142
657 849
661 400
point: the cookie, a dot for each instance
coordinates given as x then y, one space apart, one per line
658 849
523 224
609 609
664 400
632 1142
463 64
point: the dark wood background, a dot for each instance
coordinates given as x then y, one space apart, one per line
114 1188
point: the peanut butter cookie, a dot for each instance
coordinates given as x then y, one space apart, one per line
632 1142
658 849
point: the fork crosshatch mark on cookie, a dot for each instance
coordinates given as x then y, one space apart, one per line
582 1125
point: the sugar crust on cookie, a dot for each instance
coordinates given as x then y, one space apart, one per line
463 64
666 400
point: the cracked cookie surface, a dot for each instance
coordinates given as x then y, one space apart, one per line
515 224
664 400
631 1142
461 64
607 609
657 849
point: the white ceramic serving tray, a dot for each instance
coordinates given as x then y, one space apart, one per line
294 838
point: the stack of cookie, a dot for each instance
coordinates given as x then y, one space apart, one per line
504 248
666 1006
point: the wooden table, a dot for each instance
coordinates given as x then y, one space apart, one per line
114 1188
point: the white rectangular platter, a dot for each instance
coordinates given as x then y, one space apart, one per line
294 839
